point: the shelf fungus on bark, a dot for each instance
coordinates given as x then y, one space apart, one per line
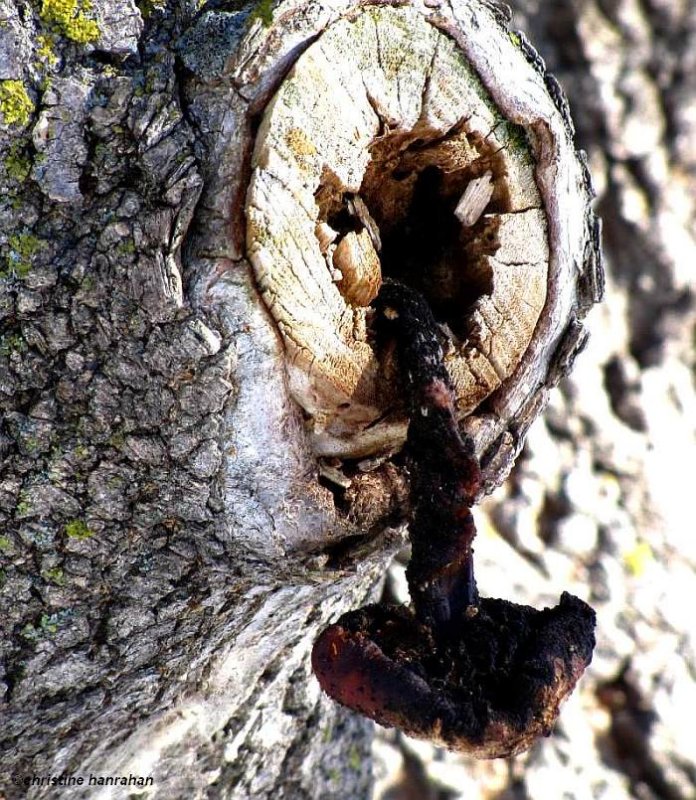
383 154
491 691
480 675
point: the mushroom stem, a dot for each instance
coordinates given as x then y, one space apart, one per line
445 473
441 570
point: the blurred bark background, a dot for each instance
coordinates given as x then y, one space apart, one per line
150 497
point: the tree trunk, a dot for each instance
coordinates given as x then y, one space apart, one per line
170 550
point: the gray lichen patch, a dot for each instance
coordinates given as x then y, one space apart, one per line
380 132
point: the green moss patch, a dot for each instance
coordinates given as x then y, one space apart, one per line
263 11
78 529
22 248
17 163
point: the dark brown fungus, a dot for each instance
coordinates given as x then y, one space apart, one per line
479 675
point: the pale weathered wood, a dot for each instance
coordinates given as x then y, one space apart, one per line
378 99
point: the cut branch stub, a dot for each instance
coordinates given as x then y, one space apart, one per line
382 154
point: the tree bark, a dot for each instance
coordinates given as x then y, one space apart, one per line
169 551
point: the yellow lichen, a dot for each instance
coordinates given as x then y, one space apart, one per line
15 103
638 559
70 18
45 50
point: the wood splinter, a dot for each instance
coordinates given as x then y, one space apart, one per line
476 197
480 675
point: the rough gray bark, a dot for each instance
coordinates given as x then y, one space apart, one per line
168 552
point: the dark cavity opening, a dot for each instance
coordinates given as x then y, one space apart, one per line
411 189
428 251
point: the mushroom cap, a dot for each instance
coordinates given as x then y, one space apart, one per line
489 686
